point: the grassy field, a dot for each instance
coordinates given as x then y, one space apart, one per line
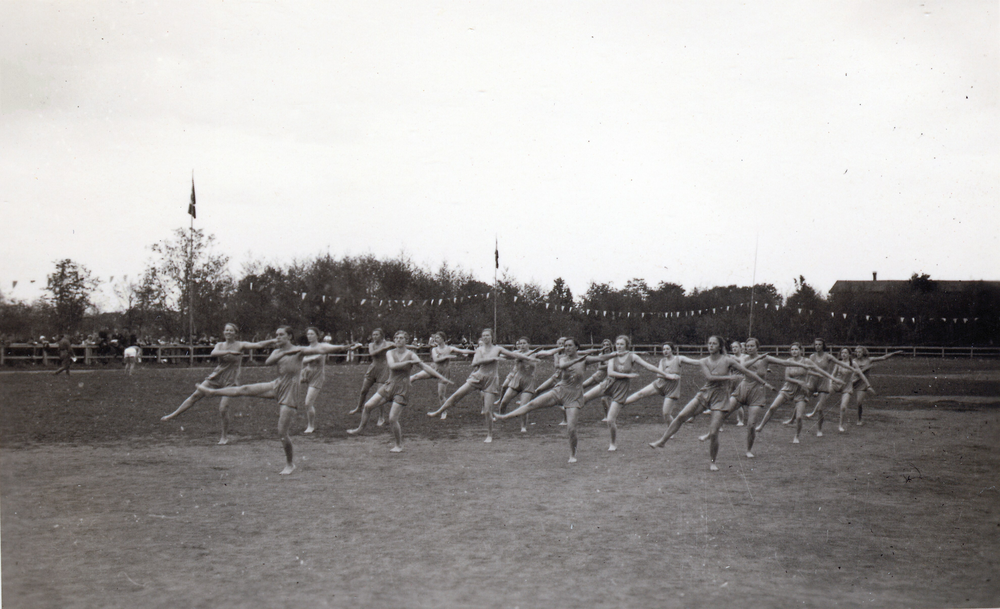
101 504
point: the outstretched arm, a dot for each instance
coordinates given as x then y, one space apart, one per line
815 368
750 373
689 360
884 357
324 348
263 344
548 352
431 371
594 359
277 354
516 355
638 360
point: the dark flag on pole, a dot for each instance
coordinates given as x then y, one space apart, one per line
496 252
191 209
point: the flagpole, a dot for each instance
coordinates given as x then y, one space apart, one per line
496 295
190 264
753 286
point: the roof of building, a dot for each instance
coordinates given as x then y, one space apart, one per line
881 286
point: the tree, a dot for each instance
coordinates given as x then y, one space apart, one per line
70 287
186 262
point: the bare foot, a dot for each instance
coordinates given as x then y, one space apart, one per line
380 422
288 469
524 430
309 430
488 439
224 440
444 415
355 411
788 421
819 434
564 422
396 449
739 423
860 423
655 445
758 429
572 459
612 448
166 417
811 414
713 467
795 440
840 429
353 431
703 438
433 413
749 455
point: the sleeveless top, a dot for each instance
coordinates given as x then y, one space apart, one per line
719 367
228 370
572 376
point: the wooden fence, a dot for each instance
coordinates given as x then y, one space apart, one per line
31 354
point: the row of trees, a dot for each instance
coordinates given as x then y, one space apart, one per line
348 297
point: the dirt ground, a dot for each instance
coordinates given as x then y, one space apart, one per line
101 504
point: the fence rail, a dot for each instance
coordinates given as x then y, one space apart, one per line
31 354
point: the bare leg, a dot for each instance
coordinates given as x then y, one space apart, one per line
845 400
311 394
778 401
455 398
508 396
819 411
752 416
365 388
668 409
488 399
284 424
524 399
188 403
256 390
859 397
423 374
612 420
691 410
729 408
394 427
376 402
543 401
741 415
800 407
571 415
224 416
713 436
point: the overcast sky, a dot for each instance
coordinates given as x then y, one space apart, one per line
598 141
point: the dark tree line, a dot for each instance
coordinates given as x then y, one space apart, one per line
347 297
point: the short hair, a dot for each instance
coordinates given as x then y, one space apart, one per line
319 335
525 339
403 332
820 341
628 341
570 339
233 326
757 342
288 330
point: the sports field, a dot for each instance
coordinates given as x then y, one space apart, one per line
103 505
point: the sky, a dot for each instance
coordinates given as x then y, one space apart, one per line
692 143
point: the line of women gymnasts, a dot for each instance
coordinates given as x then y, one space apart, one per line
734 382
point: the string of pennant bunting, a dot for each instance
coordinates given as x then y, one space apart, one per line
407 302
